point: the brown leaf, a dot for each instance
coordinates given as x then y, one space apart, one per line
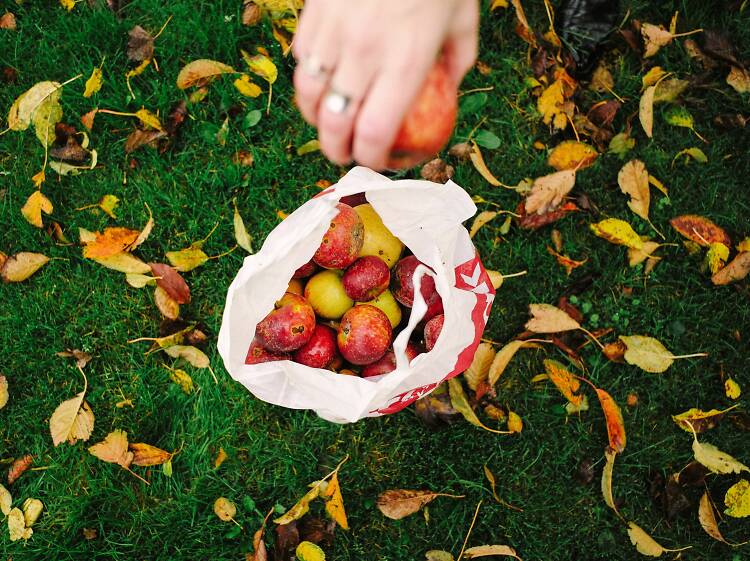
615 351
490 551
435 408
251 13
737 269
603 113
111 242
176 118
654 38
461 151
243 158
8 21
633 181
475 155
19 267
546 318
615 423
167 306
18 467
147 455
707 518
287 540
140 44
548 192
67 146
113 449
316 530
719 46
172 282
601 80
646 111
399 503
699 229
139 138
436 171
536 221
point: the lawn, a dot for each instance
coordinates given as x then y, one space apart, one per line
74 303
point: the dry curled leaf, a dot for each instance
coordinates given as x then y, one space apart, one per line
699 420
201 73
568 385
503 358
399 503
480 220
633 181
606 483
140 44
221 456
479 368
490 551
460 403
654 38
566 262
335 502
548 192
8 21
475 155
147 455
436 171
739 79
21 266
113 449
546 318
72 420
572 155
244 240
5 500
643 542
737 269
707 518
301 507
19 467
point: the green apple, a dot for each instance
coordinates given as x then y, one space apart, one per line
379 241
387 304
325 293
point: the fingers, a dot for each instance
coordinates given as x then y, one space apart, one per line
462 43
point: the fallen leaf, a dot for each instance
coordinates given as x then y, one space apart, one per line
165 303
737 500
566 262
535 221
246 87
335 502
653 76
644 543
691 153
439 554
553 105
737 269
618 232
646 111
667 91
572 155
33 208
654 38
3 393
147 455
21 266
87 119
139 138
113 449
19 467
32 509
193 355
251 13
201 73
461 404
124 262
140 44
225 509
308 551
607 474
503 358
515 423
399 503
731 389
171 282
496 278
182 379
699 229
739 79
187 259
621 144
633 181
17 526
548 192
261 65
94 83
564 381
72 420
436 171
479 368
716 257
546 318
480 220
647 353
301 507
489 551
615 423
699 420
108 203
714 459
475 155
40 106
221 456
110 242
8 21
5 500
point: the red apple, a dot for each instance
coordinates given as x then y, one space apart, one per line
288 326
343 240
257 354
432 331
364 334
305 270
366 278
320 351
354 200
388 362
402 287
428 124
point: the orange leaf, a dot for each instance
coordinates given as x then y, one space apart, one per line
615 424
147 455
700 230
111 242
571 154
737 269
565 261
564 380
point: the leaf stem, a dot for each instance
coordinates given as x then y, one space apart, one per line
694 355
594 339
466 539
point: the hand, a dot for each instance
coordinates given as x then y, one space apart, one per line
376 53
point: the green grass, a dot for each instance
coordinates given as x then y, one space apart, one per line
274 453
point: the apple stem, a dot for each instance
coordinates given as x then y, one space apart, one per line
512 275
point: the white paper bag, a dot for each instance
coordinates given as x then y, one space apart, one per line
428 218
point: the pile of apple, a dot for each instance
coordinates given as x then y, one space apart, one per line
342 310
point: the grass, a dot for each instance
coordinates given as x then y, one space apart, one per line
274 453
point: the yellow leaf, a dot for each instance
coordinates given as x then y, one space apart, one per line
490 551
646 111
73 420
732 388
94 83
479 368
515 424
697 420
201 72
607 473
193 355
475 155
461 404
633 181
38 178
496 278
335 502
35 205
549 191
503 358
654 37
147 455
301 508
21 266
647 353
546 318
138 70
309 147
240 232
658 184
739 79
225 509
182 379
553 107
167 306
644 543
221 457
32 509
5 500
261 65
143 235
246 87
714 459
3 393
737 499
744 245
652 77
308 551
28 103
113 449
149 119
618 232
737 269
68 4
481 219
638 256
187 259
601 80
110 242
496 4
17 526
124 262
716 256
571 154
108 203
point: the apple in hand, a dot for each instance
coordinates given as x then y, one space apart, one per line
432 331
388 362
343 240
428 124
387 303
366 278
325 293
320 351
379 241
288 326
257 354
364 334
402 287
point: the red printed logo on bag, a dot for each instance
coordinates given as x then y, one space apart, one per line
401 400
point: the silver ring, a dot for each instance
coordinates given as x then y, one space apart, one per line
313 67
336 102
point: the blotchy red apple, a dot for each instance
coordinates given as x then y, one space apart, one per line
288 326
432 331
343 240
320 351
428 124
364 334
305 270
257 354
402 286
366 278
388 362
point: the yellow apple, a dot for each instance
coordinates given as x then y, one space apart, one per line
325 293
379 240
387 304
